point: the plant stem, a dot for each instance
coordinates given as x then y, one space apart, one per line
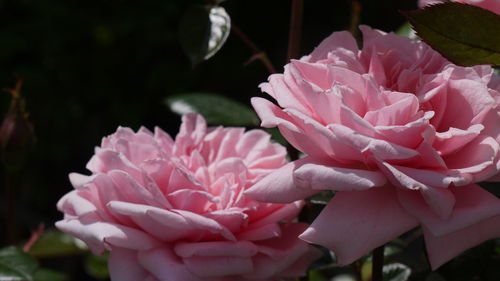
295 33
377 263
355 17
10 208
257 53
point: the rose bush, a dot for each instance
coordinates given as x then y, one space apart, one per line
399 132
175 210
492 5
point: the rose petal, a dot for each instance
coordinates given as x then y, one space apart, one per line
164 265
279 186
316 176
441 249
215 249
473 204
345 222
120 259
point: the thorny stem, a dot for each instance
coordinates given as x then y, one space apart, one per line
295 33
377 263
257 53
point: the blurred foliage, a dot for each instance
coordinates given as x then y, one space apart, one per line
217 109
91 66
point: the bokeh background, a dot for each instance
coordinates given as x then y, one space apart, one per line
91 66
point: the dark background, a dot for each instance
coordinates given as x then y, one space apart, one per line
90 66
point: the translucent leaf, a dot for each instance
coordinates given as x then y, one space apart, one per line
466 35
396 272
16 265
406 31
203 30
55 243
217 109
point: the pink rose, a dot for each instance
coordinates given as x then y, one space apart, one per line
175 210
492 5
399 132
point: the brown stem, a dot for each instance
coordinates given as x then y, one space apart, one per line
257 53
355 17
295 33
377 263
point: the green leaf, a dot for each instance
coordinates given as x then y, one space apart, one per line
276 135
315 275
54 243
406 31
215 108
464 34
203 30
16 265
97 266
396 272
44 274
322 197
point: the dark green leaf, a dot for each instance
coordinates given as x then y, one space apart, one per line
215 108
464 34
16 265
203 30
97 266
54 243
44 274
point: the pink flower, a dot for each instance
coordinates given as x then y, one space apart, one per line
175 210
399 132
492 5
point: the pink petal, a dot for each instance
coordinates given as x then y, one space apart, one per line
279 186
165 265
473 204
101 235
356 222
316 176
478 158
300 266
208 267
439 199
215 249
441 249
120 259
341 39
264 232
454 139
286 212
191 134
279 253
381 149
107 160
471 99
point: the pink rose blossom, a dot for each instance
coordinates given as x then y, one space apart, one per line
399 132
175 210
492 5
